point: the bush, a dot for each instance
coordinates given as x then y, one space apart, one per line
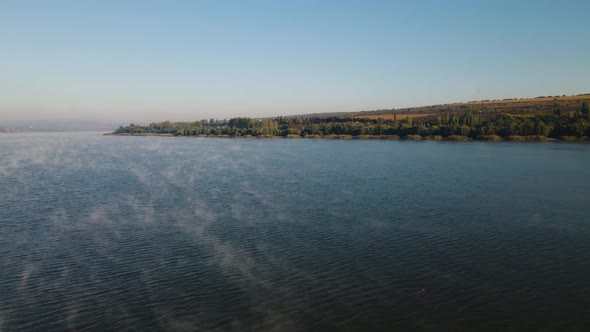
516 138
536 138
528 138
413 137
456 138
568 138
489 138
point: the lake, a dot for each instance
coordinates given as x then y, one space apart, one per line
152 233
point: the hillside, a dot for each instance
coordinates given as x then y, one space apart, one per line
542 118
542 105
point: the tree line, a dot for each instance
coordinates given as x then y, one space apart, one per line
466 124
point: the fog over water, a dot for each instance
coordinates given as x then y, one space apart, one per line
105 232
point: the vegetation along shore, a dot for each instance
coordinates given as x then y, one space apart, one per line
536 119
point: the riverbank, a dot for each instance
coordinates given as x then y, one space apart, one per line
453 138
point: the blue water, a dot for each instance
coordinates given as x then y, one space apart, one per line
148 233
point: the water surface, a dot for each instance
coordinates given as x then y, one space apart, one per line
103 233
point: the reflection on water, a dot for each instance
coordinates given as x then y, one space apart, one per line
101 232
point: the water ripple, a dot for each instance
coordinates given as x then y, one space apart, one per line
113 233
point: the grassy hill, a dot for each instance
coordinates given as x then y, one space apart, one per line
542 105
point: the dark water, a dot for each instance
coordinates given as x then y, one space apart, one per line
145 233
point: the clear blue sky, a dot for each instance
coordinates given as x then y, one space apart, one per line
188 60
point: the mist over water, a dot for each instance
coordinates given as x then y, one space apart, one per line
104 232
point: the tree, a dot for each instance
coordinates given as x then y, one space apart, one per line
585 111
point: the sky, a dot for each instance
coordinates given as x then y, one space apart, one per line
142 61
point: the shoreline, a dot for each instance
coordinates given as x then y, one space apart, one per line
454 138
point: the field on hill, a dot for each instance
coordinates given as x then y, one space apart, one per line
518 106
536 99
400 116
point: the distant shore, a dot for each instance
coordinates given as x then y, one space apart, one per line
453 138
522 123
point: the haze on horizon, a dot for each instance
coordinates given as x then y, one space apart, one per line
191 60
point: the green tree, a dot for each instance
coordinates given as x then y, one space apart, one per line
585 111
